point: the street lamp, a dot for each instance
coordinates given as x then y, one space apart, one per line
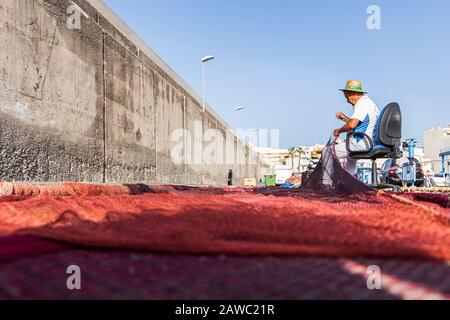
205 60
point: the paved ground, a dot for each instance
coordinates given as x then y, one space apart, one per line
124 275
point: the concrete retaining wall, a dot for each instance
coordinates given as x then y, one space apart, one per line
96 104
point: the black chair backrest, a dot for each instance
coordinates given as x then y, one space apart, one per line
389 127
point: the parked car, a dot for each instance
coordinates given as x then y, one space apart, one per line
391 171
441 179
364 175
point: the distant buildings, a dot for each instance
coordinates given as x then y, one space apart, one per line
297 162
437 141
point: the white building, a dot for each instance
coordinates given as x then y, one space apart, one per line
283 159
436 141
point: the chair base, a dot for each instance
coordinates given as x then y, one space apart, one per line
382 186
375 179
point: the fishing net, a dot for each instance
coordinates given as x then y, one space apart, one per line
333 214
441 199
330 176
17 247
239 223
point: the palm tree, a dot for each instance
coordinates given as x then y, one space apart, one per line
300 151
292 153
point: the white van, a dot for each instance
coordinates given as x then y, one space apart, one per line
442 179
283 173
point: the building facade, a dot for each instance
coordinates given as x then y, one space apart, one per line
295 161
437 141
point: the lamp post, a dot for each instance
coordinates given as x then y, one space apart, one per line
205 60
237 110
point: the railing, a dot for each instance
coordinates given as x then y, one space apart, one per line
444 152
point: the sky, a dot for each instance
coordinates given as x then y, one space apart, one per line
284 60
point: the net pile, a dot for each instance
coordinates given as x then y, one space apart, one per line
438 198
237 223
74 189
20 189
329 176
333 214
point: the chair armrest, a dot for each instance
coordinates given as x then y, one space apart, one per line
365 136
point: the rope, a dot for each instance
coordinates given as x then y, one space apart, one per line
427 189
403 200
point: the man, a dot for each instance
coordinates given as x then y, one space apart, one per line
363 120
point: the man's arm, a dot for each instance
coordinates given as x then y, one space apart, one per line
349 127
342 116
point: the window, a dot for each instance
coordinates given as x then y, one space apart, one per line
386 165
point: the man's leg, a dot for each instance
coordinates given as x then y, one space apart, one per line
342 154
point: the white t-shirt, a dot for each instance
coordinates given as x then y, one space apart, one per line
367 112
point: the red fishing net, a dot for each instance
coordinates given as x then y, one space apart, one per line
242 223
442 199
332 215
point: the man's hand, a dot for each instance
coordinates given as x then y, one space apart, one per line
342 116
337 133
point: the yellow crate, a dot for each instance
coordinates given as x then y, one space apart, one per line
250 182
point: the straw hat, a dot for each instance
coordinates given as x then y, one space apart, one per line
353 86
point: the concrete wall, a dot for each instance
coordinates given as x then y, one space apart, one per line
96 104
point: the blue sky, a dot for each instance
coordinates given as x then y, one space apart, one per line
285 59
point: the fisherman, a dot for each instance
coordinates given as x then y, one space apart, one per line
363 121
